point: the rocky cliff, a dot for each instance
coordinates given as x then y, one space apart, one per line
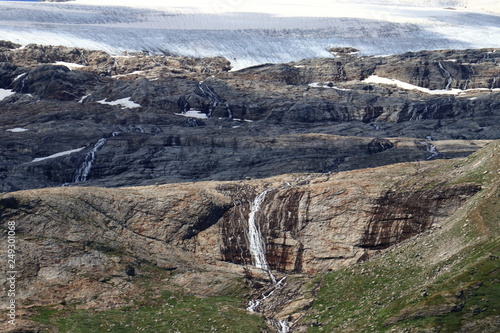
91 248
366 212
168 119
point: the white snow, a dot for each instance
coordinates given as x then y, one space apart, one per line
254 32
381 80
19 76
4 93
193 114
132 73
17 130
124 102
63 153
246 120
69 64
83 98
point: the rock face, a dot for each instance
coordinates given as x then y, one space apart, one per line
309 223
312 116
88 247
208 142
410 213
307 228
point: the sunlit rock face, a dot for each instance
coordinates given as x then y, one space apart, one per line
315 224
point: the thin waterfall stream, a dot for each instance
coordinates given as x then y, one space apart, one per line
257 248
256 243
84 170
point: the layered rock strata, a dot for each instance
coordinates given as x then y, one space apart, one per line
169 119
87 243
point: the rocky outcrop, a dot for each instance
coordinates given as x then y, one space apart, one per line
55 82
307 228
379 145
463 69
89 247
104 64
168 119
410 213
470 69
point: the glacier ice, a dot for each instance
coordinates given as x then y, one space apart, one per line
251 33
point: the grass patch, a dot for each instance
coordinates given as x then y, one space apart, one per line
391 293
171 312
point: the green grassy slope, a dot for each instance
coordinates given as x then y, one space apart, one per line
446 280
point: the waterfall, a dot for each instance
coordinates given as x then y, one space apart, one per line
257 248
254 303
429 148
207 92
84 170
281 326
447 74
256 243
229 111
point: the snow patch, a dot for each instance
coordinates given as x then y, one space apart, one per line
4 93
63 153
68 64
381 80
193 114
83 98
132 73
17 130
247 120
19 76
124 102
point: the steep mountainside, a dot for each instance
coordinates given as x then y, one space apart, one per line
142 120
94 255
159 193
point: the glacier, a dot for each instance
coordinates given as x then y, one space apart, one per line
254 32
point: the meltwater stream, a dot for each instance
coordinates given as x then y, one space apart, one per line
257 250
256 244
84 170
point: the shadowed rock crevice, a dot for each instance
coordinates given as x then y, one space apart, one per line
213 216
398 216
